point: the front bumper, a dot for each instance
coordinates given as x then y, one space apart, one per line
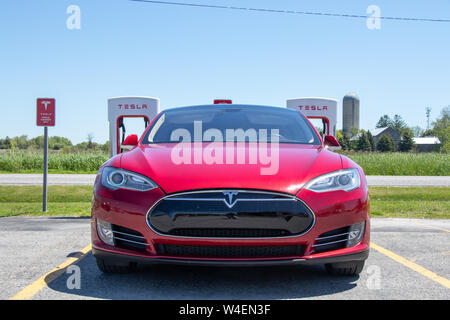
129 210
125 259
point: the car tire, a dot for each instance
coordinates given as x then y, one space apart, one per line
351 268
107 267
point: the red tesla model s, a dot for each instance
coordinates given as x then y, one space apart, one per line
233 185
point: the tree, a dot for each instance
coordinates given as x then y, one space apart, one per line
344 141
354 132
441 128
90 139
406 143
12 146
398 123
363 143
385 144
21 142
58 143
384 122
371 141
105 147
428 133
417 131
6 143
38 142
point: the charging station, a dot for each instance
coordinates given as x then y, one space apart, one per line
121 108
318 108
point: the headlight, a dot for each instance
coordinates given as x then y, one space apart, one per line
115 178
346 180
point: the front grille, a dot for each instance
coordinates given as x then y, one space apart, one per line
331 240
128 238
230 214
229 233
229 251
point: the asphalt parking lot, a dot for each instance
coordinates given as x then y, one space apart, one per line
409 259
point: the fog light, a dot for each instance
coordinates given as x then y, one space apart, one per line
105 232
355 234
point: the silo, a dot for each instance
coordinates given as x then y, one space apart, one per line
350 113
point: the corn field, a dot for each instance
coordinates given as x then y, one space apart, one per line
411 164
30 161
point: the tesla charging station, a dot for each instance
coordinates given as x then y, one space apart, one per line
121 108
317 108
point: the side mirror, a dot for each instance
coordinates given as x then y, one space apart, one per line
331 141
131 140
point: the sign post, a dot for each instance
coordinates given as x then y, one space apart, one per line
45 117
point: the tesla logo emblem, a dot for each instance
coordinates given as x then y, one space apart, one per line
230 199
46 103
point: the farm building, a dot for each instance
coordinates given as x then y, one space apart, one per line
378 132
427 144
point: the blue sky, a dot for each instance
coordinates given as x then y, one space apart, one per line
188 56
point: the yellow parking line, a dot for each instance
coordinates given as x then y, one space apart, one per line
433 227
425 272
29 291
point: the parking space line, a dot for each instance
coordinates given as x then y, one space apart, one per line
413 266
29 291
433 227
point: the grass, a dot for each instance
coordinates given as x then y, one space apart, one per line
403 164
58 162
410 202
75 201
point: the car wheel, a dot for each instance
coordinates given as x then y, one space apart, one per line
351 268
107 267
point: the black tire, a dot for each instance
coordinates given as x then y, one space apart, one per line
351 268
107 267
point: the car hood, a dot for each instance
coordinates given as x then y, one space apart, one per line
296 165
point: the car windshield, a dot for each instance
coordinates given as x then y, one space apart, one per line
239 123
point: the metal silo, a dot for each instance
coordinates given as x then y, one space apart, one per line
350 113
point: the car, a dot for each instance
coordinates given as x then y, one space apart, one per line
231 185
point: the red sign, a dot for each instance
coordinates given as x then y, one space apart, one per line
45 114
223 101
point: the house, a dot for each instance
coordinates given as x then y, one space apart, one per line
378 132
427 144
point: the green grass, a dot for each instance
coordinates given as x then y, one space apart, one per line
58 162
403 164
69 209
75 201
410 202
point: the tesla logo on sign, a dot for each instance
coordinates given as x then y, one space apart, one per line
45 112
229 195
